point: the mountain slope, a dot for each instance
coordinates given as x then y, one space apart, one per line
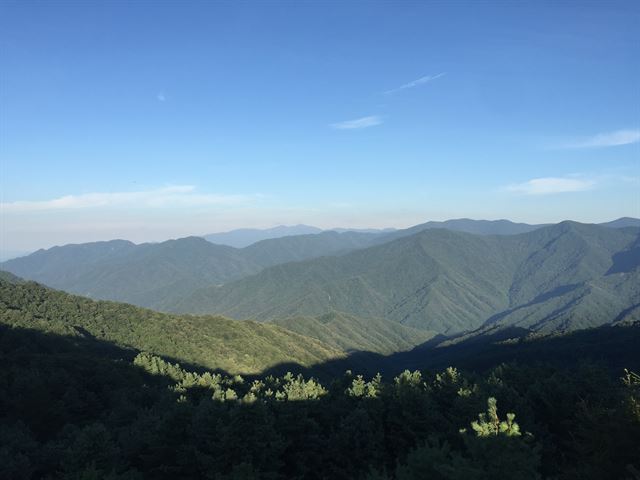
428 275
443 281
351 333
213 342
52 265
157 275
10 277
454 280
608 299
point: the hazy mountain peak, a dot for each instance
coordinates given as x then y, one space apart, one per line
88 245
244 237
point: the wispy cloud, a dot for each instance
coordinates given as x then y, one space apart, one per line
364 122
552 185
610 139
167 197
415 83
161 97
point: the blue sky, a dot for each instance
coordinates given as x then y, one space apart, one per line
150 121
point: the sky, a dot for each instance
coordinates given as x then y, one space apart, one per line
154 120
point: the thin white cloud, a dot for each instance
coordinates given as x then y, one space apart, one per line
161 97
167 197
552 185
416 83
364 122
610 139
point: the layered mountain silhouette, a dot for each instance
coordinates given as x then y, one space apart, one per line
157 275
438 280
244 237
560 277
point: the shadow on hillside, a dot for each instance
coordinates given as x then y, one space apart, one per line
613 346
556 292
626 260
77 407
25 341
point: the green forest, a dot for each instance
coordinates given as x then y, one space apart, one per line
77 405
319 240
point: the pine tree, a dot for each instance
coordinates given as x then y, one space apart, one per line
489 424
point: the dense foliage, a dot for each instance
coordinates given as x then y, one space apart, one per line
101 390
78 408
209 341
351 333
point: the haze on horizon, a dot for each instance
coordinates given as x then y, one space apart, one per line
150 122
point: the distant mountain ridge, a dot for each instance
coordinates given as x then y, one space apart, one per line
243 237
10 254
478 227
247 236
555 278
146 274
362 230
158 275
162 275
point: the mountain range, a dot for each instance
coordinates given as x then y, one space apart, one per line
244 237
157 275
357 345
559 277
435 277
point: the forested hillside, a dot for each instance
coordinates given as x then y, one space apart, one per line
77 407
560 277
213 342
145 275
235 240
9 277
94 389
302 247
159 275
351 333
